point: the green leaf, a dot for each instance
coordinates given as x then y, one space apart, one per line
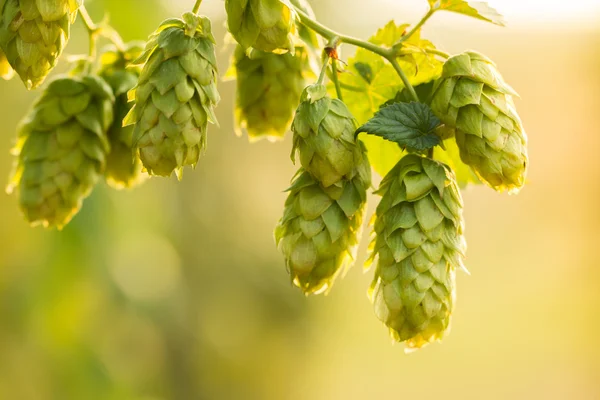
370 81
476 9
411 125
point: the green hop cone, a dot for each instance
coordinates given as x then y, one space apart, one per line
6 71
33 34
320 228
323 214
324 137
266 25
61 149
123 166
418 245
175 95
268 90
472 98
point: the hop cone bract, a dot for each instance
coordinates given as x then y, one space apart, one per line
268 90
123 166
472 97
322 220
175 95
6 71
265 25
418 246
320 228
33 34
324 137
61 148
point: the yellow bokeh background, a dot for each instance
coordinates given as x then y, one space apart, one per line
175 290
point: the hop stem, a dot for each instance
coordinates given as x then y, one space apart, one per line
389 54
92 29
197 6
335 79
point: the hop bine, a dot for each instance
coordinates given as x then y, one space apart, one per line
269 87
61 148
266 25
418 245
472 98
123 166
33 35
175 95
322 219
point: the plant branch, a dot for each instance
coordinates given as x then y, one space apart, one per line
323 70
404 78
389 54
102 29
415 28
335 79
330 35
197 6
92 29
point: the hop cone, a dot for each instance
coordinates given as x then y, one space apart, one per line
418 245
323 214
472 97
175 95
268 90
265 25
324 137
61 148
320 228
33 34
123 166
6 71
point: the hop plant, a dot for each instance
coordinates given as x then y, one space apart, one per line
473 98
419 245
123 166
324 137
6 71
175 95
33 35
266 25
320 228
268 90
61 148
323 214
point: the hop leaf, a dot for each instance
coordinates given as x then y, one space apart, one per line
472 98
268 90
418 245
266 25
123 166
33 35
61 149
175 95
410 125
476 9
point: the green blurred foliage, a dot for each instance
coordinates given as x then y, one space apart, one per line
175 290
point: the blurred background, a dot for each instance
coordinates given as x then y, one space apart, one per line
175 290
